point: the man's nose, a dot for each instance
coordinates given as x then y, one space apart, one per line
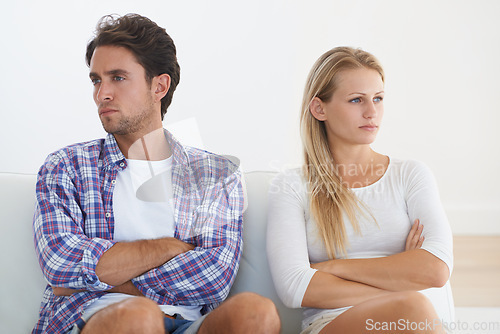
104 92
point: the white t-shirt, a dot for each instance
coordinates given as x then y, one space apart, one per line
143 209
405 192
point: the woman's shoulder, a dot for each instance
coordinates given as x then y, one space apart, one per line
289 180
409 168
407 164
290 174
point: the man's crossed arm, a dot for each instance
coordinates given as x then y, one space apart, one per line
127 260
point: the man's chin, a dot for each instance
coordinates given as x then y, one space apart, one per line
112 130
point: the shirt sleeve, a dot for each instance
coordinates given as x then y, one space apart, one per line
423 201
286 239
67 257
204 275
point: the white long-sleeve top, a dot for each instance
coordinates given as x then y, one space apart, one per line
405 192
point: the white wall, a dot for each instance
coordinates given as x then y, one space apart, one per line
243 67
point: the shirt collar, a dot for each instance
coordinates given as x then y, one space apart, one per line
179 153
113 155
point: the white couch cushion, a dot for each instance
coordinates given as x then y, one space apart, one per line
22 284
21 281
254 274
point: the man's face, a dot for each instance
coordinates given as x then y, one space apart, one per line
125 100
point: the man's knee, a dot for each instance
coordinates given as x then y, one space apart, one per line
139 306
258 303
257 310
134 315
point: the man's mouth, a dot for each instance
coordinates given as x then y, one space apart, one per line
106 111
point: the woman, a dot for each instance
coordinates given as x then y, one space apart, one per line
354 234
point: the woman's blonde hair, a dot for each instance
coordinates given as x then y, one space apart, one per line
329 197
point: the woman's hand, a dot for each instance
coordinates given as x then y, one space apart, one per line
415 238
414 269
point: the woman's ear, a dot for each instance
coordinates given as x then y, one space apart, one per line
317 110
161 84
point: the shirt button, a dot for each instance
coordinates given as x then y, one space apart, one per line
122 164
108 214
113 182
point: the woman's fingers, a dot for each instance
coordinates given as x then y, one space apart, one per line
415 238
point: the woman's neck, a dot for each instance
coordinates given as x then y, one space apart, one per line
359 166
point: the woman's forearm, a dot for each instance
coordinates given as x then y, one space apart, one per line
411 270
328 291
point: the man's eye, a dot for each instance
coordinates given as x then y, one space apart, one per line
118 78
95 81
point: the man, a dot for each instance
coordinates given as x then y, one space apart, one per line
136 233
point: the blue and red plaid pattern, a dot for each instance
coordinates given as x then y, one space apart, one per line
74 225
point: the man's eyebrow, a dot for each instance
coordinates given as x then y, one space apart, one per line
109 73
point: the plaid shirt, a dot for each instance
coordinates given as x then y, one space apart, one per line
74 224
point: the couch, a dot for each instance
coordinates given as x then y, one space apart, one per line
22 284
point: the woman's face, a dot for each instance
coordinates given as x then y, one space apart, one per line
354 113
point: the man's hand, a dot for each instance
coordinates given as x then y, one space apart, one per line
128 288
64 291
415 238
127 260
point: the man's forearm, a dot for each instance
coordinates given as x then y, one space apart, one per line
127 260
127 288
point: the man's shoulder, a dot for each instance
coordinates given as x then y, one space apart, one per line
208 164
75 153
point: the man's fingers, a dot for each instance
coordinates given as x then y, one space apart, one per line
58 291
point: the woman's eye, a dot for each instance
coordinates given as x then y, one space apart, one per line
356 100
378 99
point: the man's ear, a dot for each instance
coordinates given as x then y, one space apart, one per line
161 84
317 110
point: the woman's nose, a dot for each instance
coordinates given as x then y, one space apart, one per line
370 110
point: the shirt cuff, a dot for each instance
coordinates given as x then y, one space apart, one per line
93 251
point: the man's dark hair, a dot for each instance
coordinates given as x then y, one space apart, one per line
151 45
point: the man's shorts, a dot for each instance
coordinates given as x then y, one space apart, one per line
178 325
182 326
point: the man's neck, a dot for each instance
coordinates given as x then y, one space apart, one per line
152 146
